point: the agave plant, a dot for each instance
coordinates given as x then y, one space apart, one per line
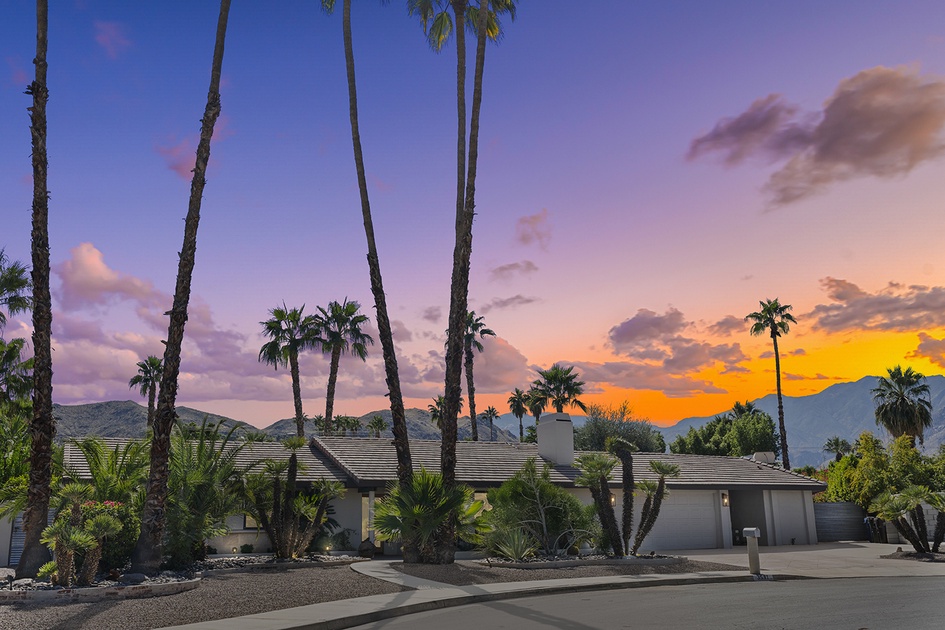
512 544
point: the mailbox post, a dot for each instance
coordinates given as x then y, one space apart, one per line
752 534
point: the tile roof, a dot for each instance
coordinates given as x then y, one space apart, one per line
373 462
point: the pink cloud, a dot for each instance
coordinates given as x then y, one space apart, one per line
180 157
88 281
534 228
500 367
111 37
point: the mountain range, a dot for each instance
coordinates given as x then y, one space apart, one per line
843 409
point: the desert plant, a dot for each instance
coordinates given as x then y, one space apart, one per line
654 500
595 471
99 527
512 544
65 540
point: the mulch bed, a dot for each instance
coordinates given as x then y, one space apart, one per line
914 555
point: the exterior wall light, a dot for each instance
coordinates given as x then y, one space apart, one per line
725 499
613 499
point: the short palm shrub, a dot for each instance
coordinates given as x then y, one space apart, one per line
116 552
511 544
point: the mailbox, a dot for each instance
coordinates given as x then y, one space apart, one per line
752 536
752 532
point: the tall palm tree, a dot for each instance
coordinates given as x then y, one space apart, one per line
16 373
376 425
837 445
561 387
148 550
436 410
536 403
475 330
146 380
42 424
385 332
773 319
435 13
290 332
518 405
903 403
339 332
14 285
490 414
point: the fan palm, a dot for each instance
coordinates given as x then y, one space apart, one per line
146 380
837 445
903 403
518 405
561 387
475 330
14 285
148 551
774 319
385 332
377 424
339 332
536 403
42 425
290 332
490 414
16 373
99 528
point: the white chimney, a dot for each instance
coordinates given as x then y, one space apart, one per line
556 439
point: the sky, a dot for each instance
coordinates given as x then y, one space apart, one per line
640 190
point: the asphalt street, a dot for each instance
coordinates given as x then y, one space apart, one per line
916 603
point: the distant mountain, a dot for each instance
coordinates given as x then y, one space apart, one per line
120 419
419 427
844 410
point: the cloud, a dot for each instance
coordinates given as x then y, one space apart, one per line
807 377
18 75
87 280
534 228
432 314
500 367
929 348
399 330
180 157
111 37
882 122
896 308
727 326
509 302
638 333
793 353
507 272
630 375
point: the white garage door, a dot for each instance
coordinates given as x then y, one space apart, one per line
689 519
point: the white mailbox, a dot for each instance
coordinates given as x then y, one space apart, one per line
752 535
752 532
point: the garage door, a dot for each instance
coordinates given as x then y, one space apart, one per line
689 519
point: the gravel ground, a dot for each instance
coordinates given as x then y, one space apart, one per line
217 597
467 572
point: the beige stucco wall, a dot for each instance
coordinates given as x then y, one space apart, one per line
6 530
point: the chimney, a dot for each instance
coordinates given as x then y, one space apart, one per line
556 439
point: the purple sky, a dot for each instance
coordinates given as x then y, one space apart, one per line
640 189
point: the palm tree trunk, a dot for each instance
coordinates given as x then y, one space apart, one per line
152 393
147 555
521 430
471 390
922 532
332 381
42 425
626 520
785 459
398 416
297 393
607 513
939 535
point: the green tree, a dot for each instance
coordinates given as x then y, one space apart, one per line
518 405
385 332
774 319
16 373
595 472
740 432
339 332
490 414
560 386
42 424
118 473
290 332
475 330
377 424
606 421
903 403
14 288
536 404
146 380
149 550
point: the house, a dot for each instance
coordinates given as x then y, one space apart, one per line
712 497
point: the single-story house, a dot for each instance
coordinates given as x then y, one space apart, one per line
712 498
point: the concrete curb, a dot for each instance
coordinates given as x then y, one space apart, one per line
592 562
281 566
95 594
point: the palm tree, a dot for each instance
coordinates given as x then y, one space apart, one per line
148 551
442 25
624 451
903 403
490 414
42 425
595 472
385 332
742 409
436 410
518 405
560 386
654 499
290 332
377 424
475 329
773 319
536 403
339 332
16 374
14 284
837 445
146 380
99 528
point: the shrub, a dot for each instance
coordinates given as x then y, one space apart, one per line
511 544
247 548
116 552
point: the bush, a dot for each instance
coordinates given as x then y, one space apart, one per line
247 548
116 551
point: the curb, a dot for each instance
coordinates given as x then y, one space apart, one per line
560 564
94 594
